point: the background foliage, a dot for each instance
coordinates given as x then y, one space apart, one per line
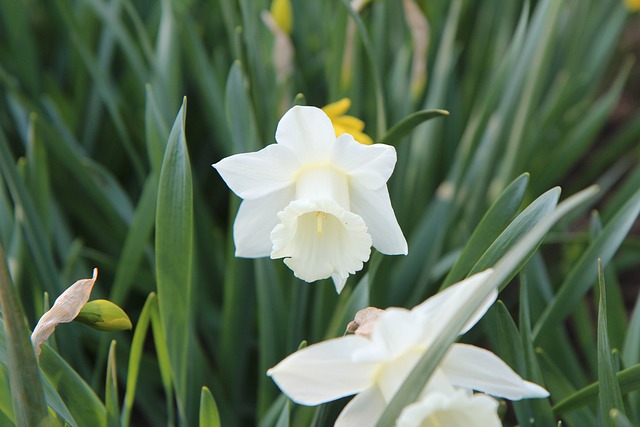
103 164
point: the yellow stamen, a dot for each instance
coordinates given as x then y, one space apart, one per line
435 421
319 220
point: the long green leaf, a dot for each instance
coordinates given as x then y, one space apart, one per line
610 395
406 125
174 246
497 218
209 416
29 406
584 272
628 379
111 389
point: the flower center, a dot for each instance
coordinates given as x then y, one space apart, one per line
320 239
323 182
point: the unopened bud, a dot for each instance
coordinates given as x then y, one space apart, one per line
104 315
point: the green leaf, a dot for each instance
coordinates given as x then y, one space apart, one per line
610 395
561 387
511 351
85 407
135 357
580 278
618 419
494 222
628 380
33 228
111 389
29 406
209 416
407 124
240 115
174 258
522 224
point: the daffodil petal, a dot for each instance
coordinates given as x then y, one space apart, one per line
307 132
255 221
370 166
455 409
319 239
324 372
445 304
363 410
479 369
337 108
254 175
349 123
374 206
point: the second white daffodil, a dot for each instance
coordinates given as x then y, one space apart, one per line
318 201
373 363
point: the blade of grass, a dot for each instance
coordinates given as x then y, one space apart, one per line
174 258
209 416
610 395
494 222
29 406
111 389
580 278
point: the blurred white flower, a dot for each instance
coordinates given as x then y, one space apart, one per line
451 408
376 366
318 201
65 308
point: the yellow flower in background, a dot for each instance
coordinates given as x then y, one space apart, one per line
282 14
632 5
346 124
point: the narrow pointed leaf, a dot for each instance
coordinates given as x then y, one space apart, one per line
406 125
497 218
29 406
610 395
209 416
584 272
174 244
111 389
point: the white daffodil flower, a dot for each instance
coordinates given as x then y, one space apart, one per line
443 405
375 365
318 201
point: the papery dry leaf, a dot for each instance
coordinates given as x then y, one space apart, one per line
364 320
65 308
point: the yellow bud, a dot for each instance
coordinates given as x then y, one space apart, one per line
104 315
282 14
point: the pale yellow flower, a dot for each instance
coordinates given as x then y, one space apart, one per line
632 5
282 15
346 124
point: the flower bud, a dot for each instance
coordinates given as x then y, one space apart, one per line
104 315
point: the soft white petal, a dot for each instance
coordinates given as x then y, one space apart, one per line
363 410
308 132
369 165
445 304
455 409
396 331
255 221
254 175
339 281
319 239
374 206
479 369
324 372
